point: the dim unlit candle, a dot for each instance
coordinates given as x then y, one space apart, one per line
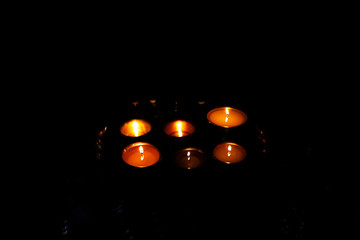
189 158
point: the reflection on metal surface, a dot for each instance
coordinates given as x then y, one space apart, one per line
135 128
262 141
179 128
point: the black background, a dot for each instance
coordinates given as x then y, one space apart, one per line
261 196
271 70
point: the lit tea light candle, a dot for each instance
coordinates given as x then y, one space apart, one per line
189 158
229 153
227 117
135 128
141 155
179 128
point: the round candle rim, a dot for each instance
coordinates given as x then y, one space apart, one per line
136 145
135 119
233 144
192 128
230 108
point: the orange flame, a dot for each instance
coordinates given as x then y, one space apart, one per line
227 114
141 150
229 150
136 129
179 128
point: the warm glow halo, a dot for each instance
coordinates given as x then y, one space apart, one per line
179 128
135 128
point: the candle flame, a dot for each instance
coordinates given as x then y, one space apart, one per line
227 114
179 128
135 126
141 150
188 156
229 151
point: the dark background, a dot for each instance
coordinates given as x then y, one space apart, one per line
84 86
262 196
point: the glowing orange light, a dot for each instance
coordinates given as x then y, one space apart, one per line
135 128
102 132
229 153
227 117
179 128
141 154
